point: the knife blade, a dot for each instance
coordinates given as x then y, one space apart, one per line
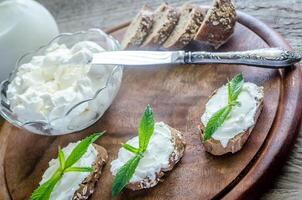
134 57
268 58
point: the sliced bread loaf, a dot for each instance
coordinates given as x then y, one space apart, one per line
165 19
234 143
218 24
191 17
138 29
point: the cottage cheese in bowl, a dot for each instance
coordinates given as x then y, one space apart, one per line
60 89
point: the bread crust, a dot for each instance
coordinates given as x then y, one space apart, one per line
155 39
136 34
87 187
190 28
218 24
176 155
235 144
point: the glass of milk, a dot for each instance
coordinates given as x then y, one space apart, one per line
24 26
77 115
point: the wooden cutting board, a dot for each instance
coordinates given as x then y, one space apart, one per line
178 95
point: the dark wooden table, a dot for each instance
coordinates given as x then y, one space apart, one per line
283 15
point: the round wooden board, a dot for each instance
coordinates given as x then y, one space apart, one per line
178 95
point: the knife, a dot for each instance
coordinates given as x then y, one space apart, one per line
266 58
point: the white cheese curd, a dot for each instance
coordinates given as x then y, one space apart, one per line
70 181
155 157
241 116
50 84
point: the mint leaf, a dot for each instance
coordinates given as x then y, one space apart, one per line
146 128
81 149
78 169
43 191
124 174
130 148
235 86
216 121
61 158
229 92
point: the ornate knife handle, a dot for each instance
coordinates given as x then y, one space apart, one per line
268 58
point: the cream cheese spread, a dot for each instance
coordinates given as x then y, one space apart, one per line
70 181
155 157
51 84
242 115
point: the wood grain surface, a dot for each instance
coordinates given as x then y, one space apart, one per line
178 95
282 15
81 14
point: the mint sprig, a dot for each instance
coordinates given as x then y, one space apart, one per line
43 192
233 88
145 131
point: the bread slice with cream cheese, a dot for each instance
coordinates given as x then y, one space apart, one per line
165 149
234 132
77 185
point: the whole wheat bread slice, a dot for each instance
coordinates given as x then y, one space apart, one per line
165 19
87 187
236 143
218 24
191 17
138 29
176 155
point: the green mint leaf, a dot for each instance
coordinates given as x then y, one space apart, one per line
146 128
229 93
216 121
81 149
124 174
78 169
43 191
61 158
130 148
235 86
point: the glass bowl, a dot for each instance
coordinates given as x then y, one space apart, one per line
71 121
